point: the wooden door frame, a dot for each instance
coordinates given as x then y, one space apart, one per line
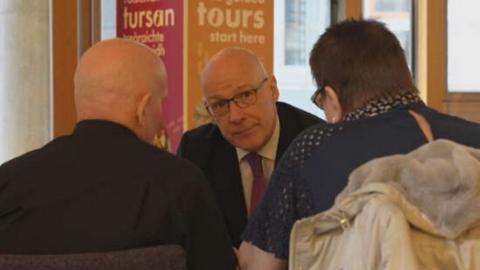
462 104
353 9
89 25
75 27
64 60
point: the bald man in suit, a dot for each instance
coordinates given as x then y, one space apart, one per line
247 119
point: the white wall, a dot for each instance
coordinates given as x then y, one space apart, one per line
24 76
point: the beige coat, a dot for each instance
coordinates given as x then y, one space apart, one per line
414 211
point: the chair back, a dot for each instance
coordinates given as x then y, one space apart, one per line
167 257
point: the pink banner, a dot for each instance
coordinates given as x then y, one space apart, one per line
159 24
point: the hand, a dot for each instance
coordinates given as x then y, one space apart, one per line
251 257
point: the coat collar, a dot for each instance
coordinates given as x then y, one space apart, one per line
102 129
438 186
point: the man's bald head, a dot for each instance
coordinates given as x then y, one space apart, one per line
121 81
221 65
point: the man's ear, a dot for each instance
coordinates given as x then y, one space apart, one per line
274 88
334 110
141 107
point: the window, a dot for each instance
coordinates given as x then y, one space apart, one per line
397 16
463 43
298 24
109 19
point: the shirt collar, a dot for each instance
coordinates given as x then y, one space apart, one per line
269 150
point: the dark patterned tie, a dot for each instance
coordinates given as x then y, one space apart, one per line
259 183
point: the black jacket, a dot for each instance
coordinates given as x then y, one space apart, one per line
103 189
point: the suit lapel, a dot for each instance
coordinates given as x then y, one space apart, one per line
288 131
227 183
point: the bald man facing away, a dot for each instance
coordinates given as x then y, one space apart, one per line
249 133
105 187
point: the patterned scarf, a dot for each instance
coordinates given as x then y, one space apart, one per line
382 105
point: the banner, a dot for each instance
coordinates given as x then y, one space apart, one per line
159 25
216 24
185 34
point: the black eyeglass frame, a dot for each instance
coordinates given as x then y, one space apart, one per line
234 99
316 95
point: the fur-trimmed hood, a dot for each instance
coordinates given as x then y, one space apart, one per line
440 180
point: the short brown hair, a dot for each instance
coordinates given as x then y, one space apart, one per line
361 60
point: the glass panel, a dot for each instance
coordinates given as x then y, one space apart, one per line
463 43
392 6
295 27
109 19
397 15
298 24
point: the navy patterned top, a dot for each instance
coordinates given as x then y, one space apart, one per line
315 167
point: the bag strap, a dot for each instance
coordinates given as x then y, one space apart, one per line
423 125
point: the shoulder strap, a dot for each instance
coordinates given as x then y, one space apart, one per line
423 125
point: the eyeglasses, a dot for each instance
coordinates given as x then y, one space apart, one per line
242 100
317 97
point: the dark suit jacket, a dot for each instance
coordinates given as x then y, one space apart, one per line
206 147
102 189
